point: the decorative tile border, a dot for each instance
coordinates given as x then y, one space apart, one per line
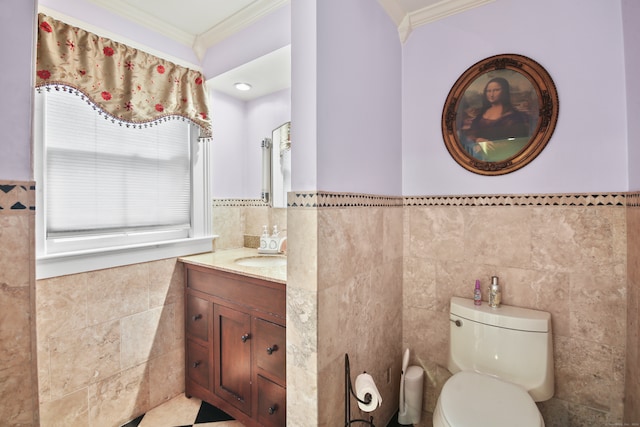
17 197
239 202
340 200
521 200
633 200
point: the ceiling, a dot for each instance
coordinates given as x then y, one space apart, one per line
202 23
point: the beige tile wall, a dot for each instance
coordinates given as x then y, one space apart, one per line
566 254
233 219
110 343
568 260
344 295
632 388
18 387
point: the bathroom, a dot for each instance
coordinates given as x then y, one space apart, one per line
561 233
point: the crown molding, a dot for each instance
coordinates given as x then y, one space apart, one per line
443 9
406 21
120 7
201 42
235 23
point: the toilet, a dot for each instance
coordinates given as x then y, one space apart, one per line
502 363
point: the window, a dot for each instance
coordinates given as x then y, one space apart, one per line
109 193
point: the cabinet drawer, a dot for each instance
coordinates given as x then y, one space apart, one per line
248 292
272 403
197 321
198 368
271 348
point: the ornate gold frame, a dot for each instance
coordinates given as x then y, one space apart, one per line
541 110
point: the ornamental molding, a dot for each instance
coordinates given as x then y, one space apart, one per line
406 21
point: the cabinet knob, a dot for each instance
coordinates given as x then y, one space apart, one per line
196 317
272 409
245 337
271 349
196 364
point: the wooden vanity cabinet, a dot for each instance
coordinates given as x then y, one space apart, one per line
235 343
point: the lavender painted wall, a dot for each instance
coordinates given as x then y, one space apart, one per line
304 78
243 160
228 162
263 116
630 19
359 109
17 30
264 36
580 43
239 127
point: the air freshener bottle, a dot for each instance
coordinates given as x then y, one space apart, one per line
477 294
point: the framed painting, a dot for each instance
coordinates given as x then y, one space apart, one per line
500 114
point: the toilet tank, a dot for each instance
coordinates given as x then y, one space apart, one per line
511 343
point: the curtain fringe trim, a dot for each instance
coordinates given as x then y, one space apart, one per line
64 87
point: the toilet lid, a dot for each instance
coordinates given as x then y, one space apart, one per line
471 399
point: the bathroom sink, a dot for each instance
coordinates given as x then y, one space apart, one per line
262 261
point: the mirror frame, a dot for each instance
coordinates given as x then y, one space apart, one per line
545 117
279 200
266 145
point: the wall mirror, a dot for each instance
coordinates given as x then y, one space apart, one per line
242 123
500 114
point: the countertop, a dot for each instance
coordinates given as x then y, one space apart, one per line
225 260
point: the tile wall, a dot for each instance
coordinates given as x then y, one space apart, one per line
563 254
110 343
566 254
344 296
18 387
323 287
632 385
107 339
239 221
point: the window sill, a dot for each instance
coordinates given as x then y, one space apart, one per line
78 262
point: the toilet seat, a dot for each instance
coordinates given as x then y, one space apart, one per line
471 399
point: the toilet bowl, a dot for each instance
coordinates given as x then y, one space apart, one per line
471 399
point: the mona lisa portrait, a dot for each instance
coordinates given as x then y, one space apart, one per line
500 114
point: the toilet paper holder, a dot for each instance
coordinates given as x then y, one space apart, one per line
348 392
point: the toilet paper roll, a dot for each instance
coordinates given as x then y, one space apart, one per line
365 385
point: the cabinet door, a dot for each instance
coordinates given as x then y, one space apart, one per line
232 355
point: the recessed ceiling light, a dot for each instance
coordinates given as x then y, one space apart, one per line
243 86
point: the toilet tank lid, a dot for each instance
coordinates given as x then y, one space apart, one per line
505 316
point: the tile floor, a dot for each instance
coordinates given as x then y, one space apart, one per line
184 412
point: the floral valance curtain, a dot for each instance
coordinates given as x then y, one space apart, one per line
127 84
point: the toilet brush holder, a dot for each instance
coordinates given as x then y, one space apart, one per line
410 410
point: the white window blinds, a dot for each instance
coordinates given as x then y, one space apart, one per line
103 177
